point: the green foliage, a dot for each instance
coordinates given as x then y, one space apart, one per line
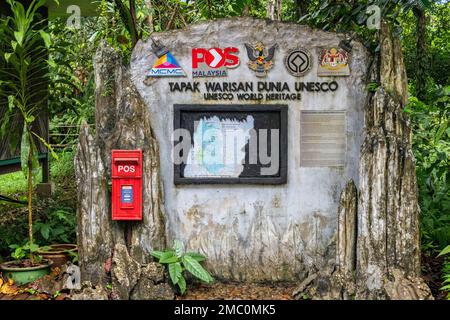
438 45
72 95
15 183
373 86
74 256
24 80
446 272
28 250
178 261
56 226
62 170
431 145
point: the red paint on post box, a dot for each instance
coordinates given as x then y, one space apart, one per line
126 193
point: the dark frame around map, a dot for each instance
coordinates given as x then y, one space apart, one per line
266 117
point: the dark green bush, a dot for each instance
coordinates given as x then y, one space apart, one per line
431 145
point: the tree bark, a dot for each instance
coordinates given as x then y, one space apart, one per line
421 53
347 229
388 216
279 9
378 245
271 9
149 5
122 122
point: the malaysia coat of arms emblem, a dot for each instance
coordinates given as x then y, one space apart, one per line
261 58
333 62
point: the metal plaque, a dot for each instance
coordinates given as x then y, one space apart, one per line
322 139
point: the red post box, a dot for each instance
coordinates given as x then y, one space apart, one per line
126 184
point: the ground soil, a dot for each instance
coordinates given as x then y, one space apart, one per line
432 274
240 291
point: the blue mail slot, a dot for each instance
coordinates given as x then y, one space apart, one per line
127 194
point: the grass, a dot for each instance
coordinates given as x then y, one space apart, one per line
15 183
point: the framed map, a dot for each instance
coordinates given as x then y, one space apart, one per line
230 144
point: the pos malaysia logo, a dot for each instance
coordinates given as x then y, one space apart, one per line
213 62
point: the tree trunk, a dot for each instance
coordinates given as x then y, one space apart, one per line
271 9
302 8
388 261
279 9
149 5
421 54
118 252
246 10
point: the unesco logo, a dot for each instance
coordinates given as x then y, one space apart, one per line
298 62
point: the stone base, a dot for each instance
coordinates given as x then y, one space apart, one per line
45 190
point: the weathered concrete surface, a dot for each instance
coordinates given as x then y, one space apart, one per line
111 251
257 232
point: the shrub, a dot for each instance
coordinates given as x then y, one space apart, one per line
446 272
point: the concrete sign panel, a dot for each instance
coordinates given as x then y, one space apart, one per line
248 230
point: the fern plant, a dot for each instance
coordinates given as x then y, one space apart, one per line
178 261
446 271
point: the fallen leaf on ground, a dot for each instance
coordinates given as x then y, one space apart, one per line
9 288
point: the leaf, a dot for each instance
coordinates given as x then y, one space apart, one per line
196 269
10 103
48 146
440 132
19 253
45 231
30 119
175 272
445 251
168 257
33 247
7 56
197 256
157 254
24 153
182 284
178 247
19 36
46 37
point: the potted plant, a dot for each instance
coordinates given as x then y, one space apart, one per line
22 270
23 85
60 253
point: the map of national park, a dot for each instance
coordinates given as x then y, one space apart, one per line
218 147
